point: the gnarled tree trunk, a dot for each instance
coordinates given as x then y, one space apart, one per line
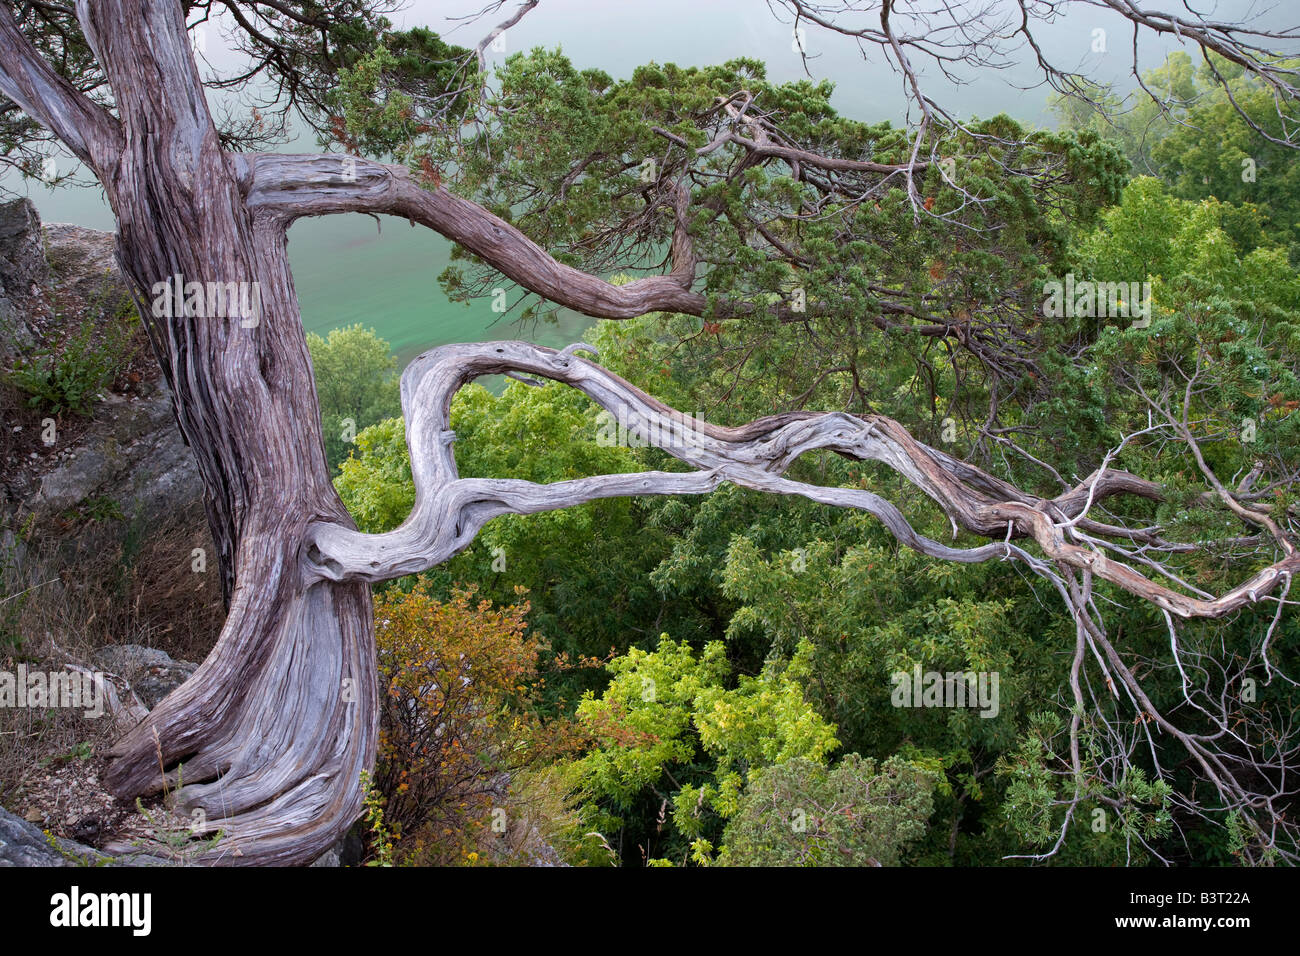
280 719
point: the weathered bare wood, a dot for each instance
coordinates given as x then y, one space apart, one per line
264 737
289 187
449 511
91 134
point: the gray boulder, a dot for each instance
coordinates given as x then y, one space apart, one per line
23 844
151 673
23 271
134 455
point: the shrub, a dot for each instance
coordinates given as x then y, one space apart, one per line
356 384
456 680
799 813
71 376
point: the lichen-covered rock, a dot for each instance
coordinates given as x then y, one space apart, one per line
133 456
23 844
83 261
151 673
23 271
22 260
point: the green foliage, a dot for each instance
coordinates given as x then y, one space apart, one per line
1225 316
561 153
381 840
356 383
1205 148
71 376
756 248
371 106
376 484
799 813
1120 820
374 119
671 737
83 750
95 509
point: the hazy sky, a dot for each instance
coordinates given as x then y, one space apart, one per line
617 35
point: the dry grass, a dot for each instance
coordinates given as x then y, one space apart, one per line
127 582
109 583
86 582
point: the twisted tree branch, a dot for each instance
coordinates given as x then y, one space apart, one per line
449 510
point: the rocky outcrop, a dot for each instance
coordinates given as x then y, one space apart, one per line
132 455
83 261
24 844
23 273
151 673
130 452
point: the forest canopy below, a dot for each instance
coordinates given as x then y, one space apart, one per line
769 628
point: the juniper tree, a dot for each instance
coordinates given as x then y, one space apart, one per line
734 200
